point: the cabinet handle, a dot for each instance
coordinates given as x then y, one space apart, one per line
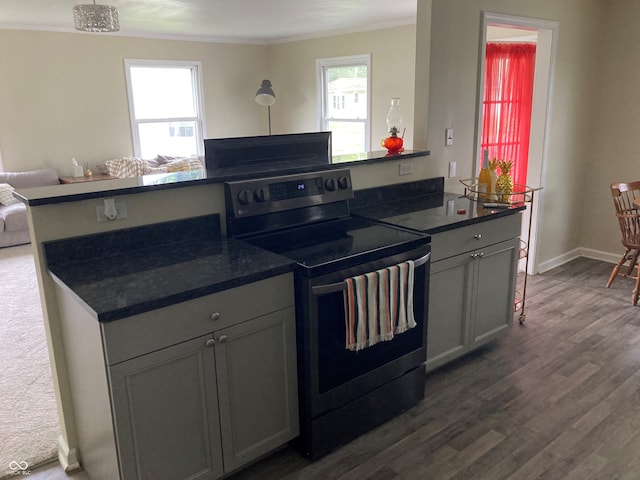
477 236
210 343
215 316
222 339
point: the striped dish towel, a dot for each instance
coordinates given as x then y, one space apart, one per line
378 305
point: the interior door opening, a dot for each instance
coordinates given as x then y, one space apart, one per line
505 28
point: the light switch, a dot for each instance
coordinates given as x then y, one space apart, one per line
448 137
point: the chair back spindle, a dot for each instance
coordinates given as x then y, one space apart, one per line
628 214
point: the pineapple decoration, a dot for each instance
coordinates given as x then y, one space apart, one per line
504 183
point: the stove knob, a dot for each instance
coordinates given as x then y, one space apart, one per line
343 183
330 184
245 197
260 195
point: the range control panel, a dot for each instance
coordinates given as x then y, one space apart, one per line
260 196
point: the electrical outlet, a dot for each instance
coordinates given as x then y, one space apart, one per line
452 169
451 207
121 209
405 168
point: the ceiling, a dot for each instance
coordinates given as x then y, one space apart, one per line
234 21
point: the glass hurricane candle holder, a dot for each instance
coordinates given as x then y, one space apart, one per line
394 143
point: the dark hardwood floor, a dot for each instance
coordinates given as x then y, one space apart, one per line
556 398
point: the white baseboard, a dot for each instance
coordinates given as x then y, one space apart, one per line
559 260
576 253
600 255
67 457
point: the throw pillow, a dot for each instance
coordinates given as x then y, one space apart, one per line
182 165
155 170
161 159
125 167
6 197
195 164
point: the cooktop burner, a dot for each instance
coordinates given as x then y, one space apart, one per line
349 240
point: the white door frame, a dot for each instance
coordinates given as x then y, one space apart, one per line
541 112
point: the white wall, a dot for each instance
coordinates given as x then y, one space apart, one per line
454 66
293 72
64 95
614 143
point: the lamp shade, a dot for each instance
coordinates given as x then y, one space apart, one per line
96 18
265 95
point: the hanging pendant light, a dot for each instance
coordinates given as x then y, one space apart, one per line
96 18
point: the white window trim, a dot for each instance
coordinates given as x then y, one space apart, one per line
201 123
321 65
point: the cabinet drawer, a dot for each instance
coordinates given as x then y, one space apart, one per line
133 336
472 237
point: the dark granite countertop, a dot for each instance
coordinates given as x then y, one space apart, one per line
424 206
119 286
146 183
122 273
435 214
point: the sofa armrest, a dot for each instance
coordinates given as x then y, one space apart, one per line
34 178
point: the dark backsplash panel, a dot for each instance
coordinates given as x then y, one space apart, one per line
392 193
285 150
196 230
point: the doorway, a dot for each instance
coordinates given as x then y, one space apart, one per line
544 33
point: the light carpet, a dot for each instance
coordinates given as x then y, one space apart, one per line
28 417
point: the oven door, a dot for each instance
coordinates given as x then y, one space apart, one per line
330 375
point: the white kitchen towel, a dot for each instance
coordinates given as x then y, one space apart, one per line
378 305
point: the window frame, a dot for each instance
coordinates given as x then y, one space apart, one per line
322 64
198 100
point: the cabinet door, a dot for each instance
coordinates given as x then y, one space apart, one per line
257 384
450 293
495 282
166 414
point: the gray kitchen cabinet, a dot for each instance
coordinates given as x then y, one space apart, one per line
194 390
257 387
495 284
165 410
209 405
472 287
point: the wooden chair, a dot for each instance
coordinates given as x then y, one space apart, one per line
628 215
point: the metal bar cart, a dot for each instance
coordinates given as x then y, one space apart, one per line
522 194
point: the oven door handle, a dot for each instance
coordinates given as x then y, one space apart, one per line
319 290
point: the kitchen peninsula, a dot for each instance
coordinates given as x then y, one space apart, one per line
164 378
67 212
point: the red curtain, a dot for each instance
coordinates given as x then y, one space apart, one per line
508 94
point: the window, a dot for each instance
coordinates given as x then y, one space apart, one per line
166 107
343 96
507 101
